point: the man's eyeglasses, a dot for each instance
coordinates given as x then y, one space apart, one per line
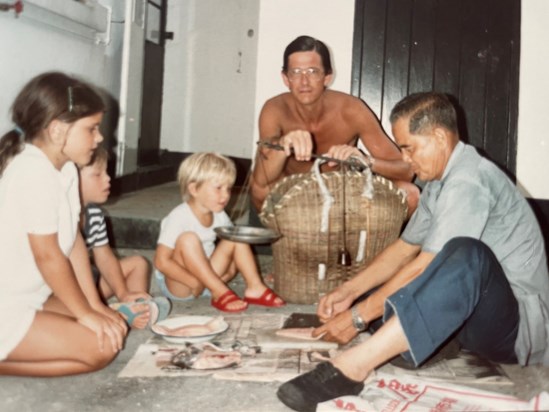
312 73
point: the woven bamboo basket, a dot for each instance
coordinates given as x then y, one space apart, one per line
306 256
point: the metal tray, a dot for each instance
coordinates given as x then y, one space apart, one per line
247 234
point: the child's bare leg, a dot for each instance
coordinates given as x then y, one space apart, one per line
182 284
230 273
137 276
57 345
222 261
137 273
247 265
192 253
179 289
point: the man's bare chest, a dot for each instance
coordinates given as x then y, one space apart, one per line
325 134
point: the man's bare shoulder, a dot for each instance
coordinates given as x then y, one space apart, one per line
277 109
277 102
344 99
351 109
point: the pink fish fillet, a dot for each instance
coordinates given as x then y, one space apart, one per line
191 330
298 333
210 359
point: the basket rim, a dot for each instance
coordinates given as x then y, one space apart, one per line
309 178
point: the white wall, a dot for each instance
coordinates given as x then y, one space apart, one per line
29 47
218 75
281 21
209 82
190 127
533 129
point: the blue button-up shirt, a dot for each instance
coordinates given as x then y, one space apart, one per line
476 199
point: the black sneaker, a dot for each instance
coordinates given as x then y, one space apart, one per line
323 383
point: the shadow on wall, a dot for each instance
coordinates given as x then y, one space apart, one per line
541 210
465 138
109 128
461 119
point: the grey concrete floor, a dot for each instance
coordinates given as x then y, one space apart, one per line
104 391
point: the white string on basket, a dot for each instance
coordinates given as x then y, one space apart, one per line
368 191
327 198
361 246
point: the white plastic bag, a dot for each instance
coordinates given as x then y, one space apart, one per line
392 393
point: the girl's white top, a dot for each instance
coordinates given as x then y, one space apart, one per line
35 198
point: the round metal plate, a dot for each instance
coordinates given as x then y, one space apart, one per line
247 234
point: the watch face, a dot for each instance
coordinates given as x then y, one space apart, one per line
358 322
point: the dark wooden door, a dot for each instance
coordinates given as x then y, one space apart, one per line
153 72
466 48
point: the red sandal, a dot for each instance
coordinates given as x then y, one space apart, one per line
268 298
224 300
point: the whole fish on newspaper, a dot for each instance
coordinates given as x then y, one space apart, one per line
202 356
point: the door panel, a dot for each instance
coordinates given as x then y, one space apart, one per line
447 34
153 74
466 48
397 52
422 47
367 71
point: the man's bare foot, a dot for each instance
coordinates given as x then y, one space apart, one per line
350 369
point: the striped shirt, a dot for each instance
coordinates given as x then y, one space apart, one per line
95 227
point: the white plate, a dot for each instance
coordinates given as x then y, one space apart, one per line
189 320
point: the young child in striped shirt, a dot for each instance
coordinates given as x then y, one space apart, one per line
127 278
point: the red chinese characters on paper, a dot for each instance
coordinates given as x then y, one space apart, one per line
395 385
444 405
346 406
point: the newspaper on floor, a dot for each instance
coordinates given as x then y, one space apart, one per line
394 393
263 358
152 358
464 367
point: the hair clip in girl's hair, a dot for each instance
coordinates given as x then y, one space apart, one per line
18 130
69 91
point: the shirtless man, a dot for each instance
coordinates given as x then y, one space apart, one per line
312 119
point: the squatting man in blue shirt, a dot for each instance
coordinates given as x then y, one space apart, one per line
469 266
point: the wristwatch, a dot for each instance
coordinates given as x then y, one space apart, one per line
358 322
